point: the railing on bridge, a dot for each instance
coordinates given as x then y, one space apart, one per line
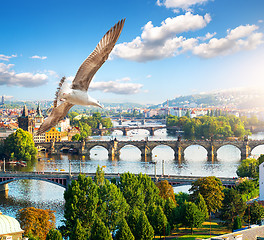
63 179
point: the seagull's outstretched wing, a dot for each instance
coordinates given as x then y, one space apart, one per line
55 116
96 59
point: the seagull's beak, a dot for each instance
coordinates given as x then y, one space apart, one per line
99 105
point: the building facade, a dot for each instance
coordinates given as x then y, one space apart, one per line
53 134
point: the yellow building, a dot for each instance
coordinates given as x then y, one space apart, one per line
53 134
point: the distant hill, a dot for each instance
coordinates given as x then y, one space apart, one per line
240 99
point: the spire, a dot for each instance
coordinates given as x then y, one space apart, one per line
25 111
39 114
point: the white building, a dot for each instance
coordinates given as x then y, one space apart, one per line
261 182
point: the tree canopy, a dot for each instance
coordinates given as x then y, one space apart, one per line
211 188
36 221
20 146
248 168
207 126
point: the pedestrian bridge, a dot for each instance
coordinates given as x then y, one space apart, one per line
146 146
64 179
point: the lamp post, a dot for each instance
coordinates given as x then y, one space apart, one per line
4 165
155 169
163 171
69 167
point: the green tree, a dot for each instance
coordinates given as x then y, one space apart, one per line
169 210
181 197
248 168
150 190
107 123
72 115
233 205
132 220
112 206
78 232
132 191
200 203
54 234
144 229
76 137
21 144
99 178
256 212
193 216
211 188
237 223
124 232
157 219
100 231
81 200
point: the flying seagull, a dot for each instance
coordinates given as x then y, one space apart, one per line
66 95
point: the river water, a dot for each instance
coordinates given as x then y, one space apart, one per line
40 194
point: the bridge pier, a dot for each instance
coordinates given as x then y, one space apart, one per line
211 153
145 151
4 189
124 132
245 152
245 149
178 153
84 150
113 150
151 131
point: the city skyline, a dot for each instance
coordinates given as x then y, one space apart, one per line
167 48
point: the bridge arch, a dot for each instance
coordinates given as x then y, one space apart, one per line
199 148
98 148
228 144
258 149
158 150
128 145
59 182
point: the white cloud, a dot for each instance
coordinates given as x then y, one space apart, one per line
148 76
10 78
52 73
207 36
125 79
238 39
260 21
6 58
161 42
184 4
38 57
116 87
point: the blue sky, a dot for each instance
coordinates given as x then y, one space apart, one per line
167 47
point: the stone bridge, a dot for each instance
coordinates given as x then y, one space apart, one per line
114 146
64 179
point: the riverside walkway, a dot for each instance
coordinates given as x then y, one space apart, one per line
63 179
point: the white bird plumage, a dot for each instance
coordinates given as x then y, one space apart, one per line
76 94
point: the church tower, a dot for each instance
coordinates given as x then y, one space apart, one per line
25 122
38 119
